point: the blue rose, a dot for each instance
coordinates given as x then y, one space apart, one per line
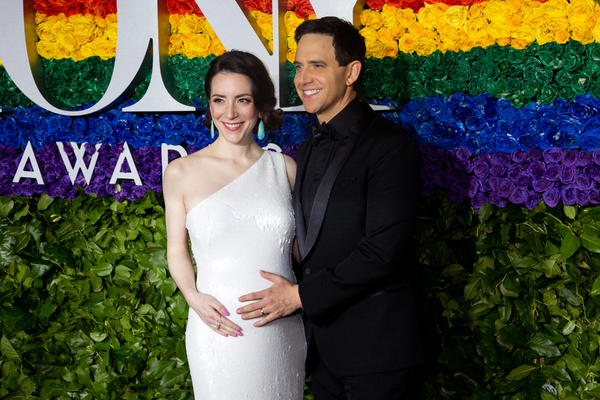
436 105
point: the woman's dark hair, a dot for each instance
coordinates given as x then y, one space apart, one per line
348 43
263 90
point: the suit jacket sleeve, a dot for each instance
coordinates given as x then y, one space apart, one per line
393 193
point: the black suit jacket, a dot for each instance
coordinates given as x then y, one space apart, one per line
360 290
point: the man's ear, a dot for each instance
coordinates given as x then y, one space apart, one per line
353 72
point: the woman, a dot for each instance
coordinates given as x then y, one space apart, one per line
234 200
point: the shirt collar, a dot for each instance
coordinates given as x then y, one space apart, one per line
344 120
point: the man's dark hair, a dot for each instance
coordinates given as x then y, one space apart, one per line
348 43
263 90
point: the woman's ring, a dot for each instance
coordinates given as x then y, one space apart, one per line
262 312
218 324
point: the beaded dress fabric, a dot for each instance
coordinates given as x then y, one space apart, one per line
243 228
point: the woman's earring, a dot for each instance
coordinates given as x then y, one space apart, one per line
261 131
212 129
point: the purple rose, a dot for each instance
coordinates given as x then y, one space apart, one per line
514 172
582 196
592 172
456 176
582 182
479 200
536 169
532 200
498 170
568 195
584 158
567 174
472 188
523 181
596 156
594 196
518 156
494 183
462 153
505 188
481 169
484 185
455 195
500 158
541 184
552 155
497 201
441 179
569 157
552 171
465 166
534 153
518 196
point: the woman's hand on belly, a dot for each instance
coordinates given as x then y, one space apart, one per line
213 314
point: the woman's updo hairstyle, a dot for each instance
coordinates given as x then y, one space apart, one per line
263 90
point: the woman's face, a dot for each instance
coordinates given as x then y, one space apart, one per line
232 107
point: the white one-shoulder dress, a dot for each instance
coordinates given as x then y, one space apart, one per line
243 228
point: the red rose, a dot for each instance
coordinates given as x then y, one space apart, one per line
394 3
40 7
375 4
304 9
415 5
72 8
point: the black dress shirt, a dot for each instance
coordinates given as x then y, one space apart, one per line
324 146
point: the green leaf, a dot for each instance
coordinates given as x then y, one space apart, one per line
485 211
575 365
592 243
159 368
102 269
543 346
521 372
471 289
6 207
7 350
596 288
452 270
44 202
570 211
569 246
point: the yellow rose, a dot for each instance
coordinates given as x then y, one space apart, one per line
456 16
265 22
39 18
45 49
496 11
110 32
425 16
562 37
188 24
390 48
416 29
369 34
580 33
596 31
77 56
514 21
375 49
208 29
578 11
365 17
60 52
424 46
45 31
406 43
111 19
399 31
197 45
544 35
385 35
448 34
555 8
498 31
520 44
439 9
477 28
101 22
449 46
475 11
291 22
88 50
106 49
484 42
522 37
66 40
375 21
591 20
389 16
83 29
503 41
291 55
514 6
176 45
465 44
53 19
406 17
217 47
62 17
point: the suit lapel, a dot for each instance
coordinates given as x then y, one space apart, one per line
300 173
319 207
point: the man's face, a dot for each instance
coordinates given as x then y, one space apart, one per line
321 82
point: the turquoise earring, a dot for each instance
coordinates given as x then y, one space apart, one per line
212 129
261 131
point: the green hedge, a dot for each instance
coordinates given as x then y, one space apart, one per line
88 310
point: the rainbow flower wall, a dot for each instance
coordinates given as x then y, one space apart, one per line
504 99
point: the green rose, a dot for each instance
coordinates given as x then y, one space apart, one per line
550 59
548 93
531 89
571 61
497 53
580 83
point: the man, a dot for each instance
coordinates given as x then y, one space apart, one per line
356 201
